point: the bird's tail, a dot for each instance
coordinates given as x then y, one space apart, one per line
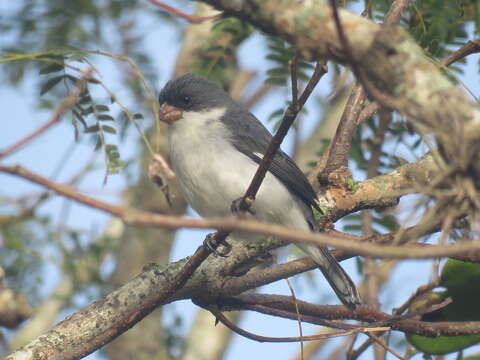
335 275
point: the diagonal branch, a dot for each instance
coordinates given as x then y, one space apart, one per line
416 87
351 117
193 19
270 339
317 314
287 121
369 188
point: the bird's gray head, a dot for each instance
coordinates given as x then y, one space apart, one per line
190 92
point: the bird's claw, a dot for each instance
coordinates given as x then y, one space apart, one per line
212 243
237 206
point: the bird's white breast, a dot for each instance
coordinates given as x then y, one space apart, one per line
212 172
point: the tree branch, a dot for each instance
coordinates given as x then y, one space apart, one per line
261 338
194 19
315 314
340 145
471 47
418 88
369 192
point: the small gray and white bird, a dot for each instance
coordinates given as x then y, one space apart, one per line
215 148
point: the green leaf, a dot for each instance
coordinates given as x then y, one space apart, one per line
87 111
105 117
50 68
79 117
442 344
461 279
278 58
305 65
99 143
278 71
276 81
50 83
85 98
111 147
72 78
275 114
113 156
109 129
102 108
92 129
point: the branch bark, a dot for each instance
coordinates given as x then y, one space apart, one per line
369 193
420 90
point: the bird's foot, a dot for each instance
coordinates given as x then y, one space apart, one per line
213 244
238 207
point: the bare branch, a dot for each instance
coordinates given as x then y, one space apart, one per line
395 12
471 47
434 102
261 338
287 121
135 217
351 117
190 18
316 314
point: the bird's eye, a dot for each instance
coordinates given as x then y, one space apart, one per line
187 100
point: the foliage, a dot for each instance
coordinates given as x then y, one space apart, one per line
281 55
460 279
213 61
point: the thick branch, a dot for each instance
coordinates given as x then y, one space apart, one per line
369 190
380 191
387 55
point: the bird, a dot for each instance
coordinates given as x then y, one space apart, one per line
215 146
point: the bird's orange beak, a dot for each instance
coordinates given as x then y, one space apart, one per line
169 114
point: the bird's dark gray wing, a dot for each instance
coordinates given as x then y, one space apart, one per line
251 138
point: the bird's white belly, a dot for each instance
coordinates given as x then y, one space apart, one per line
212 174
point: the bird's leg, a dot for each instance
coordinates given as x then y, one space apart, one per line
212 242
238 206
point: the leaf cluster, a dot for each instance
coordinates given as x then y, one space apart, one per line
93 116
215 60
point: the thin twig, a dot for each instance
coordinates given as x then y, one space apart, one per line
136 217
471 47
368 86
382 343
287 121
353 114
339 152
299 320
282 306
420 291
367 111
395 12
194 19
261 338
69 101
